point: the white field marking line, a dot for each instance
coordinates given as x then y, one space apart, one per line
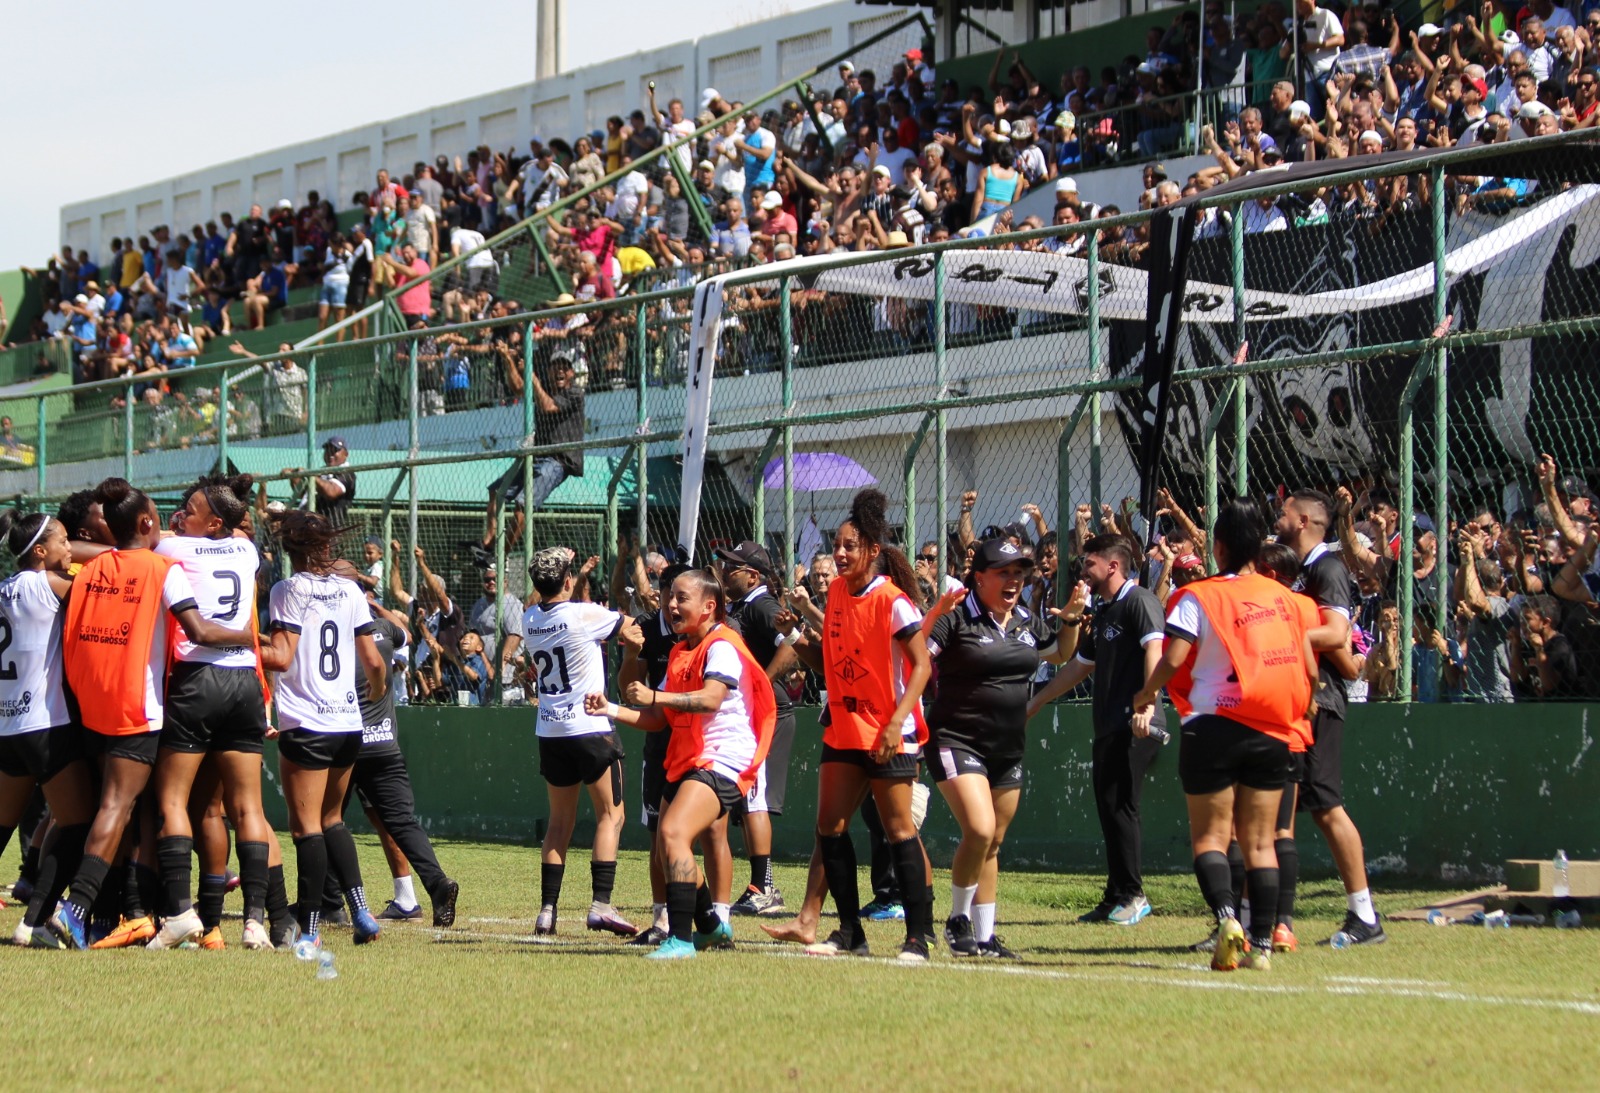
1377 981
1340 985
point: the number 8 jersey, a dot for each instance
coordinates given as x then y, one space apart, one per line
317 692
564 640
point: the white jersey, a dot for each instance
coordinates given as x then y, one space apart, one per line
564 641
318 690
222 573
31 667
729 739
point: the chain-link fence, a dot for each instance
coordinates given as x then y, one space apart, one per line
1409 330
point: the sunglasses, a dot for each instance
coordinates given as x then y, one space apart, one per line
934 558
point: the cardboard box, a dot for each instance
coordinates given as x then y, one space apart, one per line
1523 875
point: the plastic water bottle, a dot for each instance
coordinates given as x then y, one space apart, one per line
1568 920
1561 889
1496 919
325 968
306 949
1341 940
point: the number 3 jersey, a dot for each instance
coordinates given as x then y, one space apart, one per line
222 573
31 697
317 692
564 641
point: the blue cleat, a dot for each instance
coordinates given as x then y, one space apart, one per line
673 949
720 938
884 911
67 925
366 927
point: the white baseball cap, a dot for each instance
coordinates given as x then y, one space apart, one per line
771 199
1300 109
1428 30
1066 185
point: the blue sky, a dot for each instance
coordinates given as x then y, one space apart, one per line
103 99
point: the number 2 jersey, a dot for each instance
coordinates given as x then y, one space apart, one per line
222 573
31 672
317 692
563 639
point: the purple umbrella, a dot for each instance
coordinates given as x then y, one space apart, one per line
815 471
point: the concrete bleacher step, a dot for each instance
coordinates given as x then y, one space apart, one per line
265 340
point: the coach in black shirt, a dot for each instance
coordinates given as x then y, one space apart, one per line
334 488
1119 647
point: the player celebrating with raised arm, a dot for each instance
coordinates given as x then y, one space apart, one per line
720 706
576 748
876 666
115 646
1239 667
320 629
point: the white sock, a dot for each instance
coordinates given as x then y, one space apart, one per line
1360 904
658 915
721 910
983 921
405 894
1244 914
961 900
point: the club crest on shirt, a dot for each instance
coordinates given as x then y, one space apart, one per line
850 671
1113 632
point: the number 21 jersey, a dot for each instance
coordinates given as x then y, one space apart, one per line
564 641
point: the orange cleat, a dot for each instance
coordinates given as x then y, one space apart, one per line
1283 940
213 939
134 931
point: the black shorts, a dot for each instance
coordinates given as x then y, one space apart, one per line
1002 766
40 754
653 776
580 760
140 746
356 294
319 750
1322 783
726 789
903 765
1215 753
1297 771
214 709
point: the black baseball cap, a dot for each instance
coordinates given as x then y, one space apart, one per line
747 553
994 553
334 444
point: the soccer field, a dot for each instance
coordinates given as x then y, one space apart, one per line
484 1005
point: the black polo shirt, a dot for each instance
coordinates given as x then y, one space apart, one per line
658 642
1114 641
756 615
1325 579
984 675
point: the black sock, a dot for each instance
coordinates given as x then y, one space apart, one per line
680 908
927 900
172 854
603 877
761 871
342 857
311 863
55 870
253 879
1263 887
213 890
705 915
141 891
1236 872
839 866
31 860
1211 870
88 883
913 881
550 883
277 898
106 910
1288 878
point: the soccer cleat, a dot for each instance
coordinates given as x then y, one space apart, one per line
759 901
68 926
884 910
1356 932
213 940
22 891
837 944
129 932
673 948
1258 959
717 939
177 929
283 938
256 938
545 924
604 917
1131 913
231 880
1101 912
444 903
366 927
915 950
336 916
958 936
1231 946
1283 940
996 949
23 935
44 938
1207 944
650 938
393 912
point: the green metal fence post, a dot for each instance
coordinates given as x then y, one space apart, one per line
224 393
786 336
1441 409
758 503
1064 500
1213 423
910 472
41 449
529 427
414 416
641 455
498 690
127 431
1241 437
941 435
1092 315
311 433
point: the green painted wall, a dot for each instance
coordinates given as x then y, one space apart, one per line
1438 791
